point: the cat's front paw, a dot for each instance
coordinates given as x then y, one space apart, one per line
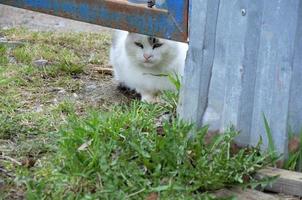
149 98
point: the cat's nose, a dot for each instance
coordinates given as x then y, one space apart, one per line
147 56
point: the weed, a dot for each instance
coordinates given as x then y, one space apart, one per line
271 144
119 154
3 58
68 65
8 126
294 160
66 107
29 117
23 55
171 97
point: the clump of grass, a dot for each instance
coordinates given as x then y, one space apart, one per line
66 53
294 160
23 54
122 154
28 119
15 125
271 143
66 107
171 97
3 58
9 126
70 65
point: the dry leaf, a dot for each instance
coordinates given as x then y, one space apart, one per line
85 145
294 144
152 196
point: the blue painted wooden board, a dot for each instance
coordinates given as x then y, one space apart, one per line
170 23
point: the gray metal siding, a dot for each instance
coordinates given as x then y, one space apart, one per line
295 103
256 70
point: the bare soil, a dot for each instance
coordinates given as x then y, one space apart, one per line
97 87
11 17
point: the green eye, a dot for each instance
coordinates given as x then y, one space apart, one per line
139 45
157 45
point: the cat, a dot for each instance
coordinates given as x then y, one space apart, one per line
142 63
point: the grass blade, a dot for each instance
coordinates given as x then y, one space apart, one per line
271 144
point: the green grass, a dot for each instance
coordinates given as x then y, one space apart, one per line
122 154
3 58
292 161
29 116
66 53
271 144
23 54
80 150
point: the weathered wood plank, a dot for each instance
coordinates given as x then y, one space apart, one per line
170 23
247 194
289 182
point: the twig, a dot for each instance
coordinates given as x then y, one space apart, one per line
10 159
135 193
12 44
6 172
108 71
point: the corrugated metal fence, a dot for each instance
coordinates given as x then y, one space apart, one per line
245 60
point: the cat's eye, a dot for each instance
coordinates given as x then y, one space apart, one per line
157 45
139 45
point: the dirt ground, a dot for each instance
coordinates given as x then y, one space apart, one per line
42 95
96 89
11 17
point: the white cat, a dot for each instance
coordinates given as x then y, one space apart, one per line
140 61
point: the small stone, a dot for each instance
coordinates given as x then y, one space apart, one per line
5 27
62 92
60 24
75 95
56 89
12 44
2 183
3 39
40 63
39 108
90 88
55 101
12 60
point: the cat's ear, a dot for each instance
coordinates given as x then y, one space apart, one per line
131 35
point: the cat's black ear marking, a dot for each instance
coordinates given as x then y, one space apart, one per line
157 45
152 40
139 44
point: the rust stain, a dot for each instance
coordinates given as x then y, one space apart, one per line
186 22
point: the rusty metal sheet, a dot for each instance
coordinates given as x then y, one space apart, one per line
170 23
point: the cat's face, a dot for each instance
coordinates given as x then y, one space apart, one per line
145 50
